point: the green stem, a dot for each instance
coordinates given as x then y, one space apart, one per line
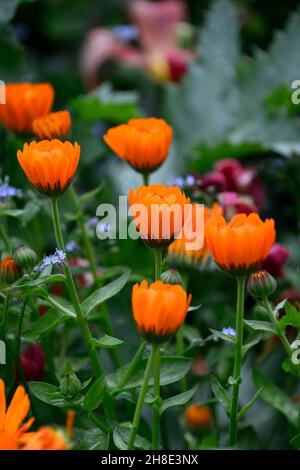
98 371
5 239
5 313
131 367
19 333
140 403
237 360
280 333
156 403
158 262
93 264
146 179
180 352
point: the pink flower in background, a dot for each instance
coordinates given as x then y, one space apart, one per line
232 203
276 260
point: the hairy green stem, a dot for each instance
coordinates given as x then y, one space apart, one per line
280 333
158 263
146 179
237 360
156 403
131 367
140 402
82 323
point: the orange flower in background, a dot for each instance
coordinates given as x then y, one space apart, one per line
179 252
143 143
158 212
52 125
198 418
46 438
240 245
50 165
24 103
11 418
9 271
159 309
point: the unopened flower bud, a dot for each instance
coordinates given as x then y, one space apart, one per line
25 257
171 277
261 285
70 384
9 271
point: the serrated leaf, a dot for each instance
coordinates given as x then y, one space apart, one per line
107 342
221 394
261 326
275 397
247 407
105 293
178 400
95 394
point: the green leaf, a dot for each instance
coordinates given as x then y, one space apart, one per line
275 397
92 439
250 345
108 342
11 213
45 325
221 394
53 278
261 326
118 440
172 370
94 396
48 393
90 195
291 317
178 400
121 435
223 336
247 407
105 293
295 442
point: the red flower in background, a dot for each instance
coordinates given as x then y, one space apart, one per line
33 362
276 260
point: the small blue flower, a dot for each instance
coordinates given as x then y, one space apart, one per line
71 246
57 259
126 32
92 222
7 191
190 180
229 331
176 181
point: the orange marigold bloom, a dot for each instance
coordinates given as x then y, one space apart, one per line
240 245
159 309
198 417
180 253
11 418
9 271
158 212
143 143
50 165
46 438
52 125
24 103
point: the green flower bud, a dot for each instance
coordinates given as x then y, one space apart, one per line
25 257
171 277
261 285
70 384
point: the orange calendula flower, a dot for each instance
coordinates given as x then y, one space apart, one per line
198 418
143 143
181 251
50 165
11 418
24 103
46 438
9 271
159 309
52 125
158 212
240 245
